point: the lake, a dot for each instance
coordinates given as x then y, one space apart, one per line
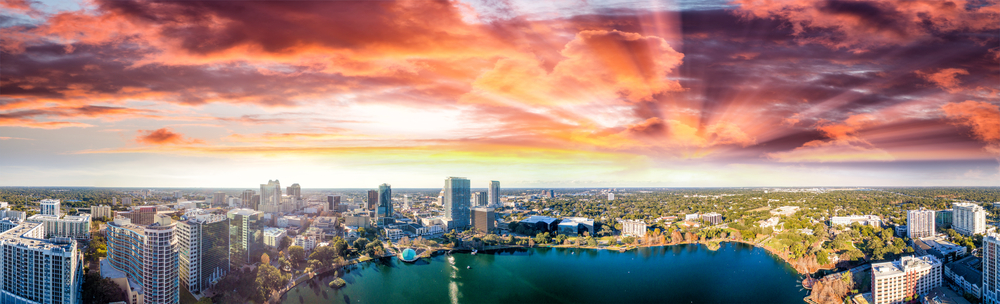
736 273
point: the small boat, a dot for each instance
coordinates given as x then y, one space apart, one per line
468 267
474 251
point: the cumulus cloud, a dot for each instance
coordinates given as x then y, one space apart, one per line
163 136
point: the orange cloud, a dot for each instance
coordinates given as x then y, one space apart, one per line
982 117
600 66
947 79
842 144
163 136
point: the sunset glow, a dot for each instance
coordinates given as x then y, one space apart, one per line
536 94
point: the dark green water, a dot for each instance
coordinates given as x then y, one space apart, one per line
736 273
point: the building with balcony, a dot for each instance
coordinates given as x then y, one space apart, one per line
34 269
148 256
203 245
909 277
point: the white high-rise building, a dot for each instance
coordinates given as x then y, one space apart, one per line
148 256
102 211
71 226
10 219
893 282
38 270
50 207
270 194
991 269
968 218
633 228
494 194
611 196
919 223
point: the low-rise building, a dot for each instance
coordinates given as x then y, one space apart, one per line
871 220
358 219
771 222
542 223
692 217
393 234
273 236
785 210
964 274
288 220
576 226
634 228
307 242
939 247
909 277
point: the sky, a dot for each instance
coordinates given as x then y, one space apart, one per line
338 94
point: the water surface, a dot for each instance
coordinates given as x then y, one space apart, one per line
736 273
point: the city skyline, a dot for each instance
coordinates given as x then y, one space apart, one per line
602 94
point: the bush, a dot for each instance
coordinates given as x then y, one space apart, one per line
337 283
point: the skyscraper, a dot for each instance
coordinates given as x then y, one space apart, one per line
203 243
456 203
247 198
148 255
919 223
372 200
969 219
384 203
483 219
991 269
50 207
218 198
333 201
270 194
480 199
246 233
38 270
494 193
294 191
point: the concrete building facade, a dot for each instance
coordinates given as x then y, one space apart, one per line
969 219
203 245
34 269
920 223
893 282
148 256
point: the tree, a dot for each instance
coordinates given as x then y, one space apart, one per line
360 243
297 254
96 289
265 259
268 280
591 241
283 263
676 237
284 243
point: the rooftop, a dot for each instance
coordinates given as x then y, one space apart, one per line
964 268
16 236
539 218
108 271
903 264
